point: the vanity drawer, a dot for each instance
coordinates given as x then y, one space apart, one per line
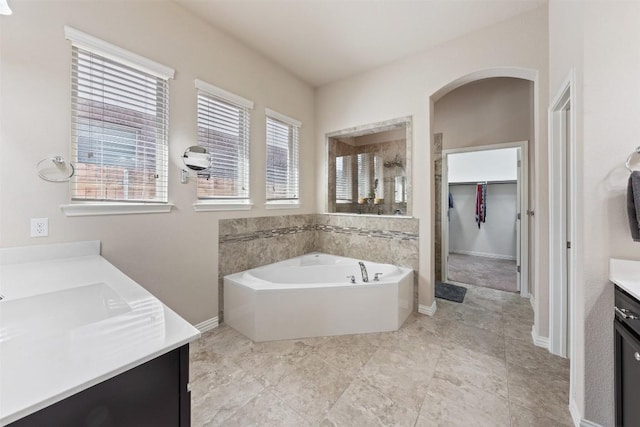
627 310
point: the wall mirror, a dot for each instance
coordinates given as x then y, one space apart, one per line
196 158
368 169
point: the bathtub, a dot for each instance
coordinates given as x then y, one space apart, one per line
311 296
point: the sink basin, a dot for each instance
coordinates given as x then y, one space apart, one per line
64 310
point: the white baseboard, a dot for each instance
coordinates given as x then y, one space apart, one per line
577 418
428 310
207 325
483 254
538 340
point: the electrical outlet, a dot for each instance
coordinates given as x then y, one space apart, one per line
39 227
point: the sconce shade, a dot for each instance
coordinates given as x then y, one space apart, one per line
4 8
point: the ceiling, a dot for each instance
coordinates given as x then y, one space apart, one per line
322 41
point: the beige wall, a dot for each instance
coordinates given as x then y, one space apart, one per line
175 256
565 53
484 112
596 39
404 88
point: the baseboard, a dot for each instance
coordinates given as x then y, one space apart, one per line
483 254
207 325
577 418
538 340
428 310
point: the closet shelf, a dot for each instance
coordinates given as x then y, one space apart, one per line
513 181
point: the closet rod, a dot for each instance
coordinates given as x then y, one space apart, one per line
512 181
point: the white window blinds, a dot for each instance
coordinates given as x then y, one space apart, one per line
223 129
119 129
378 183
365 189
282 157
344 179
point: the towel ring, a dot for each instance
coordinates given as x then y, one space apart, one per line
58 162
628 162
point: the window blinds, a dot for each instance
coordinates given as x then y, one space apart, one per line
223 129
378 184
344 179
365 188
119 130
282 159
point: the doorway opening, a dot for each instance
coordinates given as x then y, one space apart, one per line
484 239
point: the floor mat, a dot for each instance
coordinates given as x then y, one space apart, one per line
450 292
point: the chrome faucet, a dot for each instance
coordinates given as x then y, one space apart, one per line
363 269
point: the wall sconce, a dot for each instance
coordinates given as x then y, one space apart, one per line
4 8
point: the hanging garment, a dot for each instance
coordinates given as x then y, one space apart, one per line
633 204
481 203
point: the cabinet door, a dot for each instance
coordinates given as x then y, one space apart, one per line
153 394
627 377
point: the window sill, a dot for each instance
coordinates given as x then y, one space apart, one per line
282 205
221 206
94 209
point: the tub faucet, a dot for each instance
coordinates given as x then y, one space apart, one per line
363 269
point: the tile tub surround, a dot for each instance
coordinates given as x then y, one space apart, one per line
469 364
246 243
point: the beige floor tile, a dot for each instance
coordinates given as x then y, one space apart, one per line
224 341
268 362
363 405
535 359
476 339
218 394
448 405
520 308
480 318
312 388
539 389
460 365
402 373
523 417
517 327
201 361
265 410
348 353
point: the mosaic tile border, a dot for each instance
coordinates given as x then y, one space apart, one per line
265 234
278 232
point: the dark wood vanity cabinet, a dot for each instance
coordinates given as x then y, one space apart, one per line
152 394
627 359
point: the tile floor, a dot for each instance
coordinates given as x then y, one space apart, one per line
471 364
487 272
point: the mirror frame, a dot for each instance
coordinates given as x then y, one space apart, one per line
368 129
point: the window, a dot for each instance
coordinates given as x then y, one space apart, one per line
223 129
119 128
344 180
365 189
282 158
378 178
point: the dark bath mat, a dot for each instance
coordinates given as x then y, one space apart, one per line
450 292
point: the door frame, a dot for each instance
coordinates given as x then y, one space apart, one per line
523 190
562 180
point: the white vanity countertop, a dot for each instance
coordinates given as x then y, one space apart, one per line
70 320
626 274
